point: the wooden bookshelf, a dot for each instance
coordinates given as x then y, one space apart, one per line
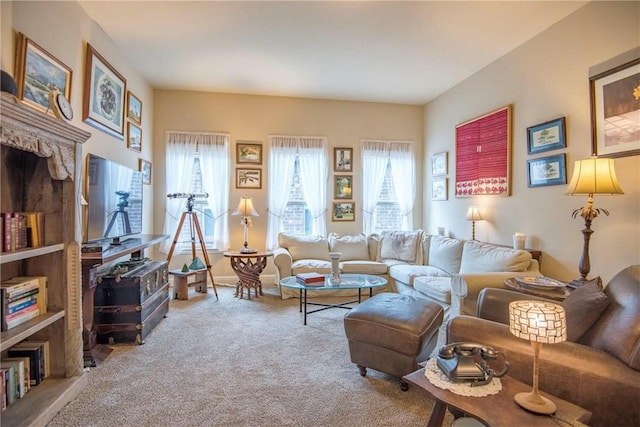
40 166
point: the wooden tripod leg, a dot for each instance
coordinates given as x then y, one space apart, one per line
175 238
196 225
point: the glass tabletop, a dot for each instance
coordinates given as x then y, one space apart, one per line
347 281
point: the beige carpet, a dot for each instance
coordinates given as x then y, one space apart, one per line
236 362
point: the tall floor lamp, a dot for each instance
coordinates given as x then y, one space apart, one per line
246 209
591 176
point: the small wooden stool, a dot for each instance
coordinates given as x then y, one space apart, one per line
181 282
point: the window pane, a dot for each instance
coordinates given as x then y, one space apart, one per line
297 218
387 212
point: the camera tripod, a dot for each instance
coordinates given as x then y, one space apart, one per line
122 204
194 226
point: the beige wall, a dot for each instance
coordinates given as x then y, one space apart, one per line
253 118
41 22
544 79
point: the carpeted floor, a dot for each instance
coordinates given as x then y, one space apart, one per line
235 362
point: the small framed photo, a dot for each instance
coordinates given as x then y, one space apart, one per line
37 72
104 95
439 188
248 178
615 110
549 170
344 211
439 164
144 166
134 108
134 137
546 136
343 187
249 152
343 159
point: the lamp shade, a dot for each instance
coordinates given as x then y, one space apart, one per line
594 176
473 214
537 321
245 207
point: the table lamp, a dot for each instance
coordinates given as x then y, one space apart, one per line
591 176
539 322
246 209
473 215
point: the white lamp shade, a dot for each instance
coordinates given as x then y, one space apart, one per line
473 214
537 321
245 207
594 176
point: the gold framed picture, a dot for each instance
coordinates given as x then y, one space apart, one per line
344 211
248 178
249 152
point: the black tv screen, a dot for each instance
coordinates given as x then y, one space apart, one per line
114 197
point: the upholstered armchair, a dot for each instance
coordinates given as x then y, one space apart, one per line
597 369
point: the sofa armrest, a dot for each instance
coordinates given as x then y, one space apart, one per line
493 303
586 376
465 288
283 261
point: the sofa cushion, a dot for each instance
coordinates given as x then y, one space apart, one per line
311 265
363 267
582 308
436 288
445 253
426 242
406 273
352 247
400 245
480 257
304 247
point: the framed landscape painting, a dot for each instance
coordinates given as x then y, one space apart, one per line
104 95
550 170
144 166
546 136
134 137
37 72
343 187
134 108
247 152
344 211
342 159
248 178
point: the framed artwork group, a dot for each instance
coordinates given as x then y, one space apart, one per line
248 153
343 210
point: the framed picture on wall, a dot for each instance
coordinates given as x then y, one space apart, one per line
343 159
37 72
248 178
134 108
249 152
439 188
439 164
546 136
134 137
615 110
144 166
343 187
344 211
104 95
547 171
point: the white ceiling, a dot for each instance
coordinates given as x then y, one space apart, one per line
399 52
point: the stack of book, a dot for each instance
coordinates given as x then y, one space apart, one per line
310 279
21 299
21 230
26 365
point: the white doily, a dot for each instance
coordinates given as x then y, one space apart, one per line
440 380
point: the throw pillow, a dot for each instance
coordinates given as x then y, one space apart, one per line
400 245
304 247
582 308
352 247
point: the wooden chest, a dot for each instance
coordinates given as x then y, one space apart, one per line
128 306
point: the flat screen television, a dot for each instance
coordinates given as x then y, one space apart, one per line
114 197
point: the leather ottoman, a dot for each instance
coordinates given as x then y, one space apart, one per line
392 333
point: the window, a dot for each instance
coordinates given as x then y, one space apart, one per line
197 164
301 164
389 185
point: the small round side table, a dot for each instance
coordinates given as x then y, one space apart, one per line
248 268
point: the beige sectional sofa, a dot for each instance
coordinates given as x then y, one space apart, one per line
448 271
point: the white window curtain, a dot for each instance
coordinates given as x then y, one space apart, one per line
403 168
214 165
180 152
375 155
312 157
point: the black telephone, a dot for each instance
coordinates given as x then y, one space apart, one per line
467 362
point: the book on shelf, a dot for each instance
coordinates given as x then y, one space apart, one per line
10 382
35 351
18 290
18 366
21 230
46 358
4 378
310 279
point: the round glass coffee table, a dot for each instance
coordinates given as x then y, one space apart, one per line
347 281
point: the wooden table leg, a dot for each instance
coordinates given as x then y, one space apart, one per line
437 416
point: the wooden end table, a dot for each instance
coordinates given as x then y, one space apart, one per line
248 268
498 409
